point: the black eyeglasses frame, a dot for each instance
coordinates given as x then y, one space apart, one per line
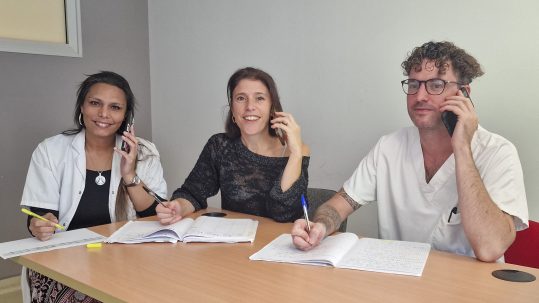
445 82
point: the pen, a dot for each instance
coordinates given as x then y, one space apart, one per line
304 205
28 212
453 211
154 195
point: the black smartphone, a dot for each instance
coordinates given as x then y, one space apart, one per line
281 134
128 125
214 214
449 118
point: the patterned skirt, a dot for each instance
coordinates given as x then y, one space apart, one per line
44 289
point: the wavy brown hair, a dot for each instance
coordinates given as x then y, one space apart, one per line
443 54
251 73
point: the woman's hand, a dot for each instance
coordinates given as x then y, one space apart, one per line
43 230
129 159
287 123
169 212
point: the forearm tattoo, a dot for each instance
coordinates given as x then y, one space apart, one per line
328 216
348 199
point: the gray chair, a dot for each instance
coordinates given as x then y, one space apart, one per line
316 197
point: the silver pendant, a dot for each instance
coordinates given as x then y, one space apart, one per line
100 180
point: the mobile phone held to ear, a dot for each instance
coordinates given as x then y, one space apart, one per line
128 125
449 118
281 134
450 121
465 92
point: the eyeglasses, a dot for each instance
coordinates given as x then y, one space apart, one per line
433 86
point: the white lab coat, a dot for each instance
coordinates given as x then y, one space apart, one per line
57 173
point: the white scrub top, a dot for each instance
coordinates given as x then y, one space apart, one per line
410 209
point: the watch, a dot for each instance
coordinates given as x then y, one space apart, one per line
134 182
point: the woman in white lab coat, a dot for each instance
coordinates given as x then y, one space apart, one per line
91 175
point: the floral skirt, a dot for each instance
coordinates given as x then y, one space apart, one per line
44 289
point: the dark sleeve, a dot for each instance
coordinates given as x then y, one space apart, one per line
203 181
41 212
150 211
286 206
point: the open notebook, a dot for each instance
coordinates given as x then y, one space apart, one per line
346 250
203 229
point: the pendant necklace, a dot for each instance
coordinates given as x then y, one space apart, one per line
100 180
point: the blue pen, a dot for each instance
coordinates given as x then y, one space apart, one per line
304 205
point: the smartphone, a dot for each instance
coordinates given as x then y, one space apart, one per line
281 134
128 125
449 118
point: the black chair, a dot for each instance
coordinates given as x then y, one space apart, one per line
316 197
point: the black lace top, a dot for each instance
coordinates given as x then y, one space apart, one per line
249 183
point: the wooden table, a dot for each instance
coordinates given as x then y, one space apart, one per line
218 272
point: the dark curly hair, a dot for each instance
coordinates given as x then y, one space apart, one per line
443 53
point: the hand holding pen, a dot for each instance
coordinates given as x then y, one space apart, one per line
167 212
305 212
42 227
305 234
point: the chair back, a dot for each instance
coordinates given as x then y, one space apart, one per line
316 197
525 250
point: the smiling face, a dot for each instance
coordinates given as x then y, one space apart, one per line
251 107
423 108
103 110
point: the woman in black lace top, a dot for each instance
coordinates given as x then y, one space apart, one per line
256 172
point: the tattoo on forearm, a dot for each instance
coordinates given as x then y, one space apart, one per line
328 216
348 199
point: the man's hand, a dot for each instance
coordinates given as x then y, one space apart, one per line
305 240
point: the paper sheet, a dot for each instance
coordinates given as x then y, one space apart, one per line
329 252
59 240
388 256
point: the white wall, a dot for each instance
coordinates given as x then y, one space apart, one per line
337 66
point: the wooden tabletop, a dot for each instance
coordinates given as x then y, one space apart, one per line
219 272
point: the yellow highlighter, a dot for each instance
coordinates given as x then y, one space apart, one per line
94 245
30 213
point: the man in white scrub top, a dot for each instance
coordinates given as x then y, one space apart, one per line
463 193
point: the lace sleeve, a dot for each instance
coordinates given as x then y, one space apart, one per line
286 206
203 181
